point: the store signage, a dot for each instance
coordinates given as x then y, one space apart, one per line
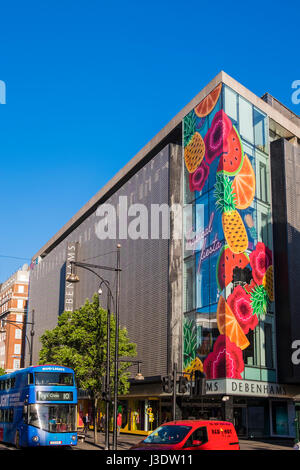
54 396
245 388
72 249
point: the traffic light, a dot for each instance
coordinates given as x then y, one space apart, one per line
104 392
183 384
200 383
167 384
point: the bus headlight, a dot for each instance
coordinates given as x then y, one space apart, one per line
35 439
73 438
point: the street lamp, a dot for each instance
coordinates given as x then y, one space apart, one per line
73 278
17 324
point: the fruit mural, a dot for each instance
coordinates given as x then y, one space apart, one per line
216 163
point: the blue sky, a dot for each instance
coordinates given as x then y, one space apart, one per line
89 83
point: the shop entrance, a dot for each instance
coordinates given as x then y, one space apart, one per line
240 420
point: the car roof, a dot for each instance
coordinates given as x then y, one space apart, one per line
196 422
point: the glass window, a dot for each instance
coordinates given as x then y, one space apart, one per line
168 435
260 129
18 333
189 284
230 99
263 182
53 418
280 421
16 364
246 119
199 435
53 378
268 346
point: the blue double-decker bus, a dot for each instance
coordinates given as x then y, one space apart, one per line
38 407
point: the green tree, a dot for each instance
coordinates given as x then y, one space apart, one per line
79 341
2 371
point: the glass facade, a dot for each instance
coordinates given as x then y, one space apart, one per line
228 323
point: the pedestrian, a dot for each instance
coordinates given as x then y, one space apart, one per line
119 422
86 422
102 423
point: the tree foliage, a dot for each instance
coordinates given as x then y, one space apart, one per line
79 341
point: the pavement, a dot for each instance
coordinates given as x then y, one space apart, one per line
125 441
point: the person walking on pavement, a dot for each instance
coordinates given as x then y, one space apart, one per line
119 422
86 422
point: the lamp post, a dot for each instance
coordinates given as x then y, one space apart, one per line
139 376
116 381
73 277
17 324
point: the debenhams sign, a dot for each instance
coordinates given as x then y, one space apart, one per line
245 387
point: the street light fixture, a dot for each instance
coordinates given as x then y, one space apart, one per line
74 278
32 332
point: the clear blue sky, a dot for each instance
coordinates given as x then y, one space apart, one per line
89 83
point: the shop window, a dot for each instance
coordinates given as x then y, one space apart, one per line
256 421
246 120
280 422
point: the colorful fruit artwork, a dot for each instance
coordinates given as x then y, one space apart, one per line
198 179
226 360
268 283
196 364
227 261
207 105
194 149
232 160
229 326
233 225
260 260
216 137
243 185
240 303
214 154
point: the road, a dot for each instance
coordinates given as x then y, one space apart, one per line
125 441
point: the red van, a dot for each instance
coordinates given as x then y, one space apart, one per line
191 435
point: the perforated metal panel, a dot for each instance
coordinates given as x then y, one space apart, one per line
144 277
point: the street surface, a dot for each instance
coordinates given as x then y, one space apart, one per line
125 441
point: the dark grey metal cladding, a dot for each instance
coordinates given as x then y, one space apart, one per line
285 168
144 277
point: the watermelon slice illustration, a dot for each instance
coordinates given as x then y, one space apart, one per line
226 263
232 161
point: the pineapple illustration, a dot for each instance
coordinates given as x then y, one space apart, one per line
268 283
196 364
259 300
233 225
194 147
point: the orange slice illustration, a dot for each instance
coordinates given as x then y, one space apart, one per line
208 104
229 326
243 185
